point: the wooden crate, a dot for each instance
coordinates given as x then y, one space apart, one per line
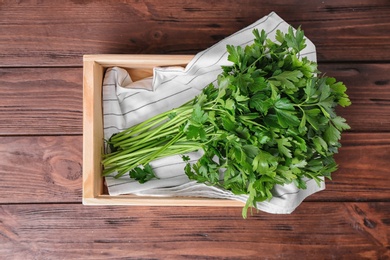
139 66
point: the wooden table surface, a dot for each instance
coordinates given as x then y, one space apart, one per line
41 215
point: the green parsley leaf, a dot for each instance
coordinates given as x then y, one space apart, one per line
198 115
283 145
340 123
286 118
295 41
142 174
332 135
261 103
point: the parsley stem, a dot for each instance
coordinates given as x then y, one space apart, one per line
150 123
129 161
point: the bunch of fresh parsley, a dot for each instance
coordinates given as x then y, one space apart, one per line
270 121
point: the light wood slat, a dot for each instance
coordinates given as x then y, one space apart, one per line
50 34
44 101
315 231
48 169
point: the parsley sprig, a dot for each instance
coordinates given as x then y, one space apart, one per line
270 121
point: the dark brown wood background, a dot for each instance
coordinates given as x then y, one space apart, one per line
41 216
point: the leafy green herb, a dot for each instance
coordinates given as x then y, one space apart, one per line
270 121
142 175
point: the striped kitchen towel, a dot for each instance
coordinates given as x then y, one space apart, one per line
126 103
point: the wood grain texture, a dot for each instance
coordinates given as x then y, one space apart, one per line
47 33
48 169
314 231
48 101
41 216
40 169
41 101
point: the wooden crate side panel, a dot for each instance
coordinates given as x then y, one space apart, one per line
93 129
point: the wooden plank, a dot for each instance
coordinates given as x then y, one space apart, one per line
40 169
47 101
48 169
315 231
49 34
41 101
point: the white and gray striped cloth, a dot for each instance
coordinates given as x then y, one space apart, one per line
126 103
